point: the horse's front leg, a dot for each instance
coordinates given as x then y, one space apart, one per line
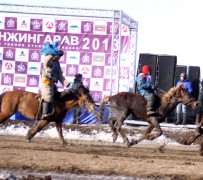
113 124
37 128
146 135
154 124
60 133
121 131
198 133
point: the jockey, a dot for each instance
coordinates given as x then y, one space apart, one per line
199 114
146 88
77 110
51 74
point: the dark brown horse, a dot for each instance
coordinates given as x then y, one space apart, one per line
27 104
198 133
125 103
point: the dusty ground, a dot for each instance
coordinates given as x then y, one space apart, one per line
104 158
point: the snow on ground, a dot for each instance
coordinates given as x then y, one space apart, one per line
95 135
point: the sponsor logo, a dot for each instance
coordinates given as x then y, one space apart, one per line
8 66
74 27
98 58
20 79
85 70
33 69
23 24
100 28
36 24
49 25
10 23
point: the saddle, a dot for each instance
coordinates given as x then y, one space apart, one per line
40 108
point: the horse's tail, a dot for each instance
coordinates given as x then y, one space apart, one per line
1 97
104 101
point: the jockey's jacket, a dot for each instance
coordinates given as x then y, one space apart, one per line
187 85
144 84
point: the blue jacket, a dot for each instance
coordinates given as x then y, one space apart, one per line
187 85
143 86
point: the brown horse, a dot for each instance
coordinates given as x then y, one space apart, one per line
27 104
125 103
198 133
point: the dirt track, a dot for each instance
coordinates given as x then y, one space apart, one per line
106 158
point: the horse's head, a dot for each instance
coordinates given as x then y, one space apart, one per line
85 99
183 97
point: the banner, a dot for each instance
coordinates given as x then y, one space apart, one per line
87 50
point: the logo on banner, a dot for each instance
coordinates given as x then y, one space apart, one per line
20 79
49 25
98 58
1 24
36 24
100 28
32 81
96 84
34 56
8 66
86 82
96 97
71 70
74 26
87 27
7 79
86 59
6 89
22 54
10 23
62 26
21 68
23 24
9 54
85 70
97 72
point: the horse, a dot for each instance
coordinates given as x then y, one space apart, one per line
125 103
198 133
28 104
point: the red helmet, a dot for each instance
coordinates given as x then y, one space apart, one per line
146 69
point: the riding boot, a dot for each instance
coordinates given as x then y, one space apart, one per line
47 109
184 119
178 121
150 110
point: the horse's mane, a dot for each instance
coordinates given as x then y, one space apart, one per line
65 95
167 96
71 93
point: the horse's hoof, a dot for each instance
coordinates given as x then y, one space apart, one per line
28 140
201 153
114 138
64 143
129 144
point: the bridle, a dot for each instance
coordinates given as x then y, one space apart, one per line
77 93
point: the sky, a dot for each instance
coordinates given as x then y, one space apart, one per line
172 27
